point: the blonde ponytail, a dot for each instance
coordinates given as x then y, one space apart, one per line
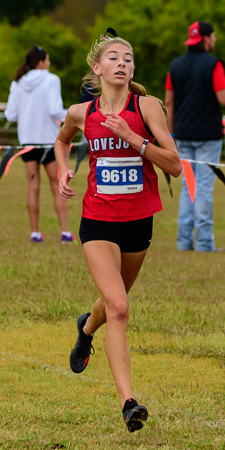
138 89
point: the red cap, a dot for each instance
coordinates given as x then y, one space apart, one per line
194 35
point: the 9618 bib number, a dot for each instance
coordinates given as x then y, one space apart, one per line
119 175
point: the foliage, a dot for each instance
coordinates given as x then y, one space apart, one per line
78 15
67 53
157 31
10 59
16 11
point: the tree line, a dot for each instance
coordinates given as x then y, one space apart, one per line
156 30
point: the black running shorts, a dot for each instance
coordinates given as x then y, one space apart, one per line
131 237
36 155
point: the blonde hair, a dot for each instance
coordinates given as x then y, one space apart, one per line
95 56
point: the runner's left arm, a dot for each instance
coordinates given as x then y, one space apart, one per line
165 156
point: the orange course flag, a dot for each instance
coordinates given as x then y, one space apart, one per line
189 178
21 152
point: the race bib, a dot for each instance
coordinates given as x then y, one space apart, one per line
119 175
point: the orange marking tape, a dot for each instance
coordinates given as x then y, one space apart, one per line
21 152
189 178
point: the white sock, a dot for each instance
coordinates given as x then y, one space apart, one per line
66 233
36 234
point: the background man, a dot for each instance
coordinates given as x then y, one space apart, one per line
195 89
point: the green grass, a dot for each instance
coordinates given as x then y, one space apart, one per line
176 334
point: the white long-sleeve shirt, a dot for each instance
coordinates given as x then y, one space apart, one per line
35 103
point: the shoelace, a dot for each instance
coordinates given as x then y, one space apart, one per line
92 350
84 347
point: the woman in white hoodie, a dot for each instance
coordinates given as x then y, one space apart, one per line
35 103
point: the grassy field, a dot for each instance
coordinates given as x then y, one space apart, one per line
176 334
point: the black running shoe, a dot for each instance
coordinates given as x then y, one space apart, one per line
134 415
79 356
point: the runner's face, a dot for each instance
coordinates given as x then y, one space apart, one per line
116 65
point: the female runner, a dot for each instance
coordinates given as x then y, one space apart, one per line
122 196
35 103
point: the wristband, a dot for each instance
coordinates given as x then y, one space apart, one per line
172 135
143 147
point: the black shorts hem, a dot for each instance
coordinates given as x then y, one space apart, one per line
132 237
36 154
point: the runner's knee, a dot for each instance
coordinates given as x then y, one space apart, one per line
119 310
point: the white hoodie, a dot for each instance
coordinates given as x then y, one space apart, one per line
35 103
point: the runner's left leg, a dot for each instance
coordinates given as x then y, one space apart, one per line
106 265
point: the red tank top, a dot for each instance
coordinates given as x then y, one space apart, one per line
118 207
